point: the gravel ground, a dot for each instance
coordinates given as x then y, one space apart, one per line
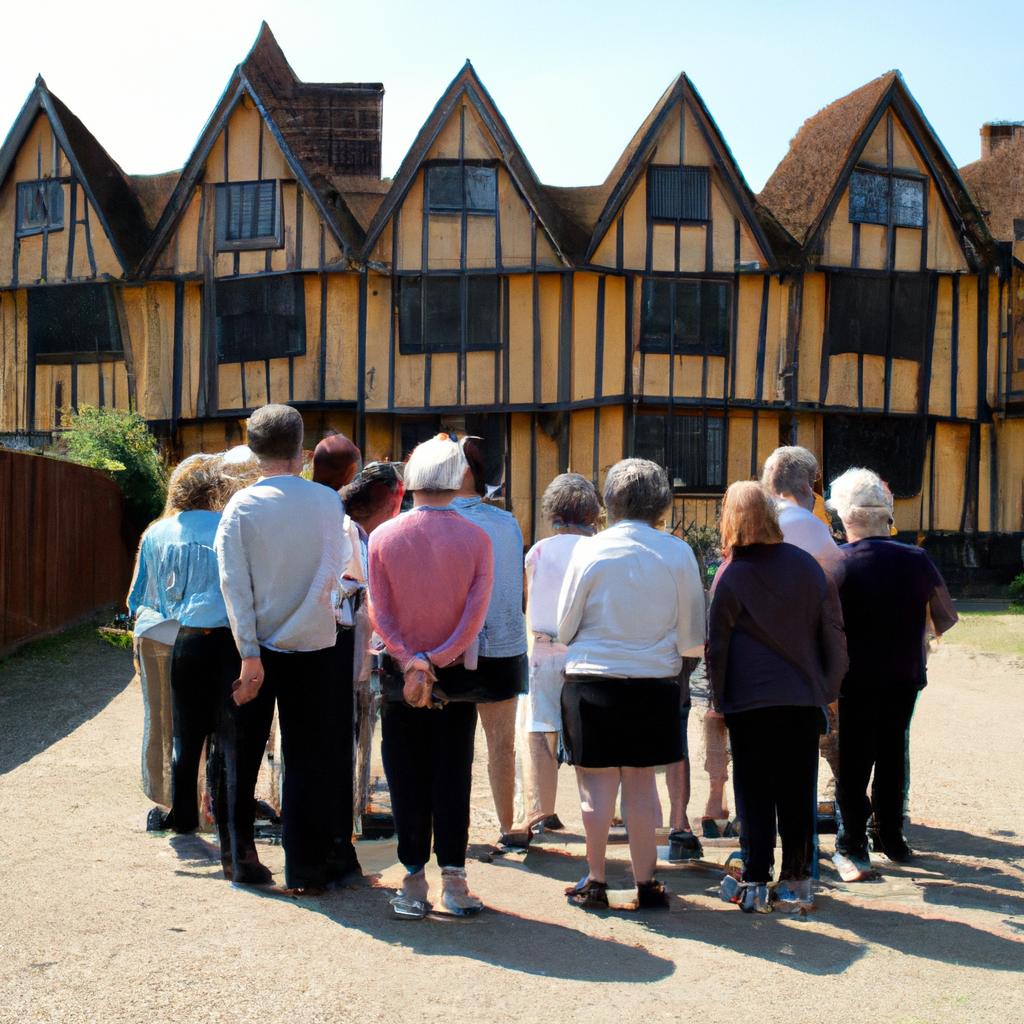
101 922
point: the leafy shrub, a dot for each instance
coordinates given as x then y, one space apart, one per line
120 444
1017 591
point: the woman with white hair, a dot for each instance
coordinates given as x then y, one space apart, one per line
431 572
888 591
631 607
571 507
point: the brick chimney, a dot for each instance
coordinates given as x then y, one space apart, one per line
999 133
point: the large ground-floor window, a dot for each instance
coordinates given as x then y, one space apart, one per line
691 447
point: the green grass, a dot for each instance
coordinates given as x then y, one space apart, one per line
61 647
992 632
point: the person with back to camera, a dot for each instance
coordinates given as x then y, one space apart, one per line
371 499
571 507
888 591
176 582
336 461
282 548
631 607
776 656
502 655
431 573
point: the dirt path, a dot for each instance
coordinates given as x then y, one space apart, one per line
101 922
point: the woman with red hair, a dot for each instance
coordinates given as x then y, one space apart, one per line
776 656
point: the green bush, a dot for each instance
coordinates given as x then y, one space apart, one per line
120 444
1017 591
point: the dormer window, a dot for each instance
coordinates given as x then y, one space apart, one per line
249 215
454 187
876 196
40 206
677 193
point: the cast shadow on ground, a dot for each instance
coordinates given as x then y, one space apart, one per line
779 940
43 700
965 844
505 940
788 941
198 852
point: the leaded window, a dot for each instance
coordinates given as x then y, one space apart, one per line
260 317
40 206
875 197
446 312
452 188
685 317
690 447
876 314
74 321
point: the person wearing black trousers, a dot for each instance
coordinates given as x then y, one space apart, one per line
282 549
890 593
176 579
776 655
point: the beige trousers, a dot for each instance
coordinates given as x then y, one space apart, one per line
153 670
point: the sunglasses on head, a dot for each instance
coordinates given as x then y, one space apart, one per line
388 472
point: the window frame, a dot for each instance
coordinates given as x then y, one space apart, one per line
447 210
110 353
297 282
889 177
420 345
715 346
681 169
672 448
222 243
897 341
53 186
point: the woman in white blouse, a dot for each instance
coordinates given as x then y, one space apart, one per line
571 507
631 607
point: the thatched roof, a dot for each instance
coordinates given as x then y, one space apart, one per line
802 184
997 184
328 133
153 191
109 189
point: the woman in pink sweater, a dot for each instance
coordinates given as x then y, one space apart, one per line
431 573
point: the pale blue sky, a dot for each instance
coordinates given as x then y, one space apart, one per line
574 80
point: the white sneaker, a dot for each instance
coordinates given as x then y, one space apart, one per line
410 901
456 896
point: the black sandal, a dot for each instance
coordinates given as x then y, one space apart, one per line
588 894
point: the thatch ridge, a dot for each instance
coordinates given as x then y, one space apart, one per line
997 184
802 184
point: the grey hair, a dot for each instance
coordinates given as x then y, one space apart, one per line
436 465
861 498
570 499
789 470
275 432
636 489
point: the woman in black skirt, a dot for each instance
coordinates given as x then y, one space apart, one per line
631 607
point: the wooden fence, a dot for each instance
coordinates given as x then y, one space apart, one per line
63 549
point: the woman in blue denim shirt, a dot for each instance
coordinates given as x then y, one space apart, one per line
177 582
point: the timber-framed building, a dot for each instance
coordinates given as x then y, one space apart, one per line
863 304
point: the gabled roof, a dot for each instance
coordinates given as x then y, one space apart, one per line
565 235
301 119
997 184
106 185
628 168
808 182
